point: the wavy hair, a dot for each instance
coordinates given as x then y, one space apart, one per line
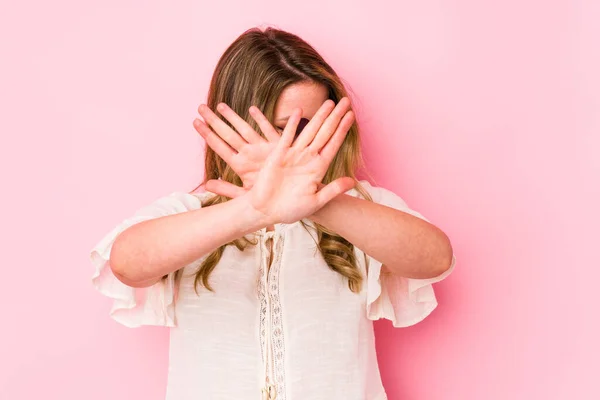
254 70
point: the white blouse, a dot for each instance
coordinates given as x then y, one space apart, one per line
293 328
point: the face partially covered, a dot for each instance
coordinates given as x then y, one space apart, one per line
307 95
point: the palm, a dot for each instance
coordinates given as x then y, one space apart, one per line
249 160
286 187
281 180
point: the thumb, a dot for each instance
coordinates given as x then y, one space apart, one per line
333 189
224 188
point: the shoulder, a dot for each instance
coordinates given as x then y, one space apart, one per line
385 197
175 202
378 194
200 196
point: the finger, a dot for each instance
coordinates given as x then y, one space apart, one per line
333 189
214 141
310 130
263 123
330 149
221 128
289 132
329 126
240 124
224 188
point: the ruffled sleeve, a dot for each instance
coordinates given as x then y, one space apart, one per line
404 301
153 305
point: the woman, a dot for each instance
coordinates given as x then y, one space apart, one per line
270 278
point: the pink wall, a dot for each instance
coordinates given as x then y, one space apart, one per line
483 115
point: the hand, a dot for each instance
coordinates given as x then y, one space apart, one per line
232 191
246 151
287 186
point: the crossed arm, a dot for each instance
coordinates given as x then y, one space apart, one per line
406 245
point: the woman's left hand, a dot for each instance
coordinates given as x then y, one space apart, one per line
246 151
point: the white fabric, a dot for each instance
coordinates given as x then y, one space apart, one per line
300 315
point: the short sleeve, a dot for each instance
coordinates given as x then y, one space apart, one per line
153 305
404 301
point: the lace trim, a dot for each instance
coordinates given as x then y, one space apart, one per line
263 306
277 323
275 313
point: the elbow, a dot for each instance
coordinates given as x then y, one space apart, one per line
122 266
434 260
443 261
126 278
122 276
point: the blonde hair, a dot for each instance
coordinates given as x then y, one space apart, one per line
254 70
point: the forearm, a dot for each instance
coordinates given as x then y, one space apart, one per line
148 250
405 244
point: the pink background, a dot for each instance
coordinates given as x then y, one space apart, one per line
482 115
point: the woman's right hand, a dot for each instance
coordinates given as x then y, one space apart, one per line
288 186
243 149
